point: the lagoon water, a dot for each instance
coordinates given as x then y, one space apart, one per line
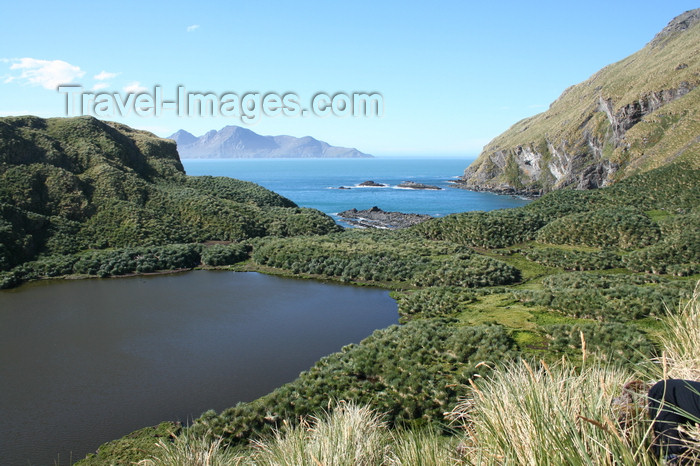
314 183
87 361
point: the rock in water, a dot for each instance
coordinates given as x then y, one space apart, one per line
377 218
372 184
414 185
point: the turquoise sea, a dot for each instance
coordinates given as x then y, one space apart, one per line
315 182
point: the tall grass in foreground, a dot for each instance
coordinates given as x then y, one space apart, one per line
349 435
552 416
681 341
189 450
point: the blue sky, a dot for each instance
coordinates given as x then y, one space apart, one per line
453 74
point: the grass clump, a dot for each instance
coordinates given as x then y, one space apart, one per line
550 415
349 435
681 341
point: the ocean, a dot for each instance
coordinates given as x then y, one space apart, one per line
315 182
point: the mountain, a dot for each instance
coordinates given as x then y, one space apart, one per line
236 142
632 116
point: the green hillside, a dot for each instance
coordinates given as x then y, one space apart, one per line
632 116
80 184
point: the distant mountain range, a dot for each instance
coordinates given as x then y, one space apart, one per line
236 142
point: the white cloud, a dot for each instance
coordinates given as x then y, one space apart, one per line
134 88
99 86
105 75
192 28
46 73
16 112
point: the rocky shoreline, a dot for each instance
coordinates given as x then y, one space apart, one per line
503 190
377 218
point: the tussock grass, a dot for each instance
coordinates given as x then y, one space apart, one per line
551 415
422 448
681 340
191 450
349 435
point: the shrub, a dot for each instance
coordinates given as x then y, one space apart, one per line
569 259
611 298
432 302
617 227
220 254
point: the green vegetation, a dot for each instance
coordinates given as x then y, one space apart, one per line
432 302
609 298
410 372
74 185
381 257
618 227
573 259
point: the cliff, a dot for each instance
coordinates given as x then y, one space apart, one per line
635 115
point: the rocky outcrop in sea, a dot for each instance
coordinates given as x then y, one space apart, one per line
377 218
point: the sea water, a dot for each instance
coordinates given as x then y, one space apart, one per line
315 183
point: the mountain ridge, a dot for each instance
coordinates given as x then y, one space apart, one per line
237 142
629 117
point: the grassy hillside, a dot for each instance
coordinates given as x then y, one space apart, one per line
80 184
632 116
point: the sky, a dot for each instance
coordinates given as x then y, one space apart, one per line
452 75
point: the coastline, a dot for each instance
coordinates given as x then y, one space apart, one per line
527 194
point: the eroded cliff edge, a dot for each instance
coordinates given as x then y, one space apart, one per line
634 115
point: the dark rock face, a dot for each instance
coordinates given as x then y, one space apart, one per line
631 114
678 24
373 184
414 185
377 218
502 189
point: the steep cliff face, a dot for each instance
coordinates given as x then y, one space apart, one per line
631 116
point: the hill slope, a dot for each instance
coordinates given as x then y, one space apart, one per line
632 116
73 184
236 142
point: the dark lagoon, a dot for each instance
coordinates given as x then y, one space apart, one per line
87 361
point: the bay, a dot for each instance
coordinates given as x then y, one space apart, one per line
314 182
